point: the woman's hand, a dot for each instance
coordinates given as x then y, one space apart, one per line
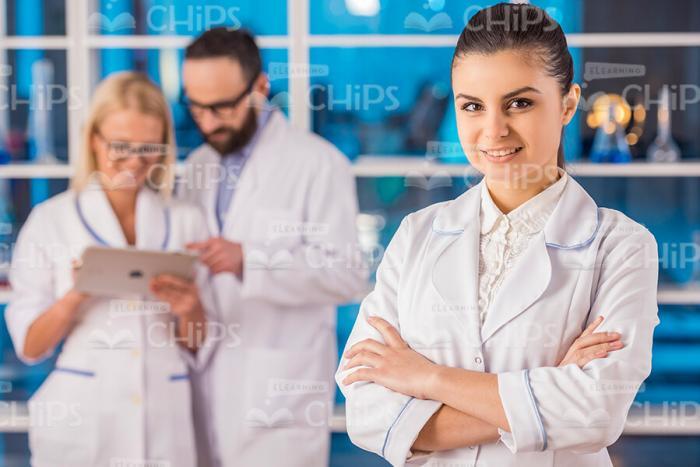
182 295
590 346
55 323
396 366
393 365
73 296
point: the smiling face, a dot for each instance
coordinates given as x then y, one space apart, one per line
129 133
510 114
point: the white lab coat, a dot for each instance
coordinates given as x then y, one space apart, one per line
268 390
588 261
120 390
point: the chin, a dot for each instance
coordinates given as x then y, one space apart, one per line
127 182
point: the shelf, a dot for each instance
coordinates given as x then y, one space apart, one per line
413 166
635 169
26 170
14 418
36 42
679 295
669 419
635 39
587 40
155 41
667 295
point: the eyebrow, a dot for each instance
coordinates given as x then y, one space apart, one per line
505 96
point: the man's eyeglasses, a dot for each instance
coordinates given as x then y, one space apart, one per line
120 151
221 109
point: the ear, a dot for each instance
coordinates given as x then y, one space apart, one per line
262 85
570 103
95 143
97 148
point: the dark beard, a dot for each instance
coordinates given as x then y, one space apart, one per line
237 138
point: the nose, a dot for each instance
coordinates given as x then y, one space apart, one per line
207 121
495 126
135 162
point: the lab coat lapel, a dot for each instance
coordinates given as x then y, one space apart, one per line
572 226
151 222
207 174
253 173
456 248
522 286
99 215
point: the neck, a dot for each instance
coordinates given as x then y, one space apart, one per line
123 202
508 194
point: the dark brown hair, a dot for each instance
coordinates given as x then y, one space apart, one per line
521 27
236 44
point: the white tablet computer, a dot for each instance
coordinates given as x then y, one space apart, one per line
127 271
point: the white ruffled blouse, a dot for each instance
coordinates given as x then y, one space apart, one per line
505 236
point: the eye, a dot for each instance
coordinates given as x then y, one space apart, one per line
119 146
520 103
471 107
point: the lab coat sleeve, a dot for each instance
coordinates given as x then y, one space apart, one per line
200 360
323 269
585 409
378 419
31 280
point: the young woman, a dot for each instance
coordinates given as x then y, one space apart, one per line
120 390
454 359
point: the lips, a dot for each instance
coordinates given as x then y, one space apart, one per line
501 152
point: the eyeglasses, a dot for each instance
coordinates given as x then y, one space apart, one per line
222 109
120 151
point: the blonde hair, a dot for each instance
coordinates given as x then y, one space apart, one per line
121 91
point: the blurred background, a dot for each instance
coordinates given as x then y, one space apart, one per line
373 77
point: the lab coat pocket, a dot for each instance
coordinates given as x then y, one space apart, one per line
286 389
63 416
278 227
276 235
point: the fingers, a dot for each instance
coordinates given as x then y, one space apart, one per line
220 255
389 333
603 349
585 356
166 295
173 288
170 288
362 374
76 264
198 245
367 345
585 360
591 327
207 249
169 280
591 346
363 358
596 338
218 265
211 253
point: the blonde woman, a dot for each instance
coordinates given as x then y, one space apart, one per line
120 391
